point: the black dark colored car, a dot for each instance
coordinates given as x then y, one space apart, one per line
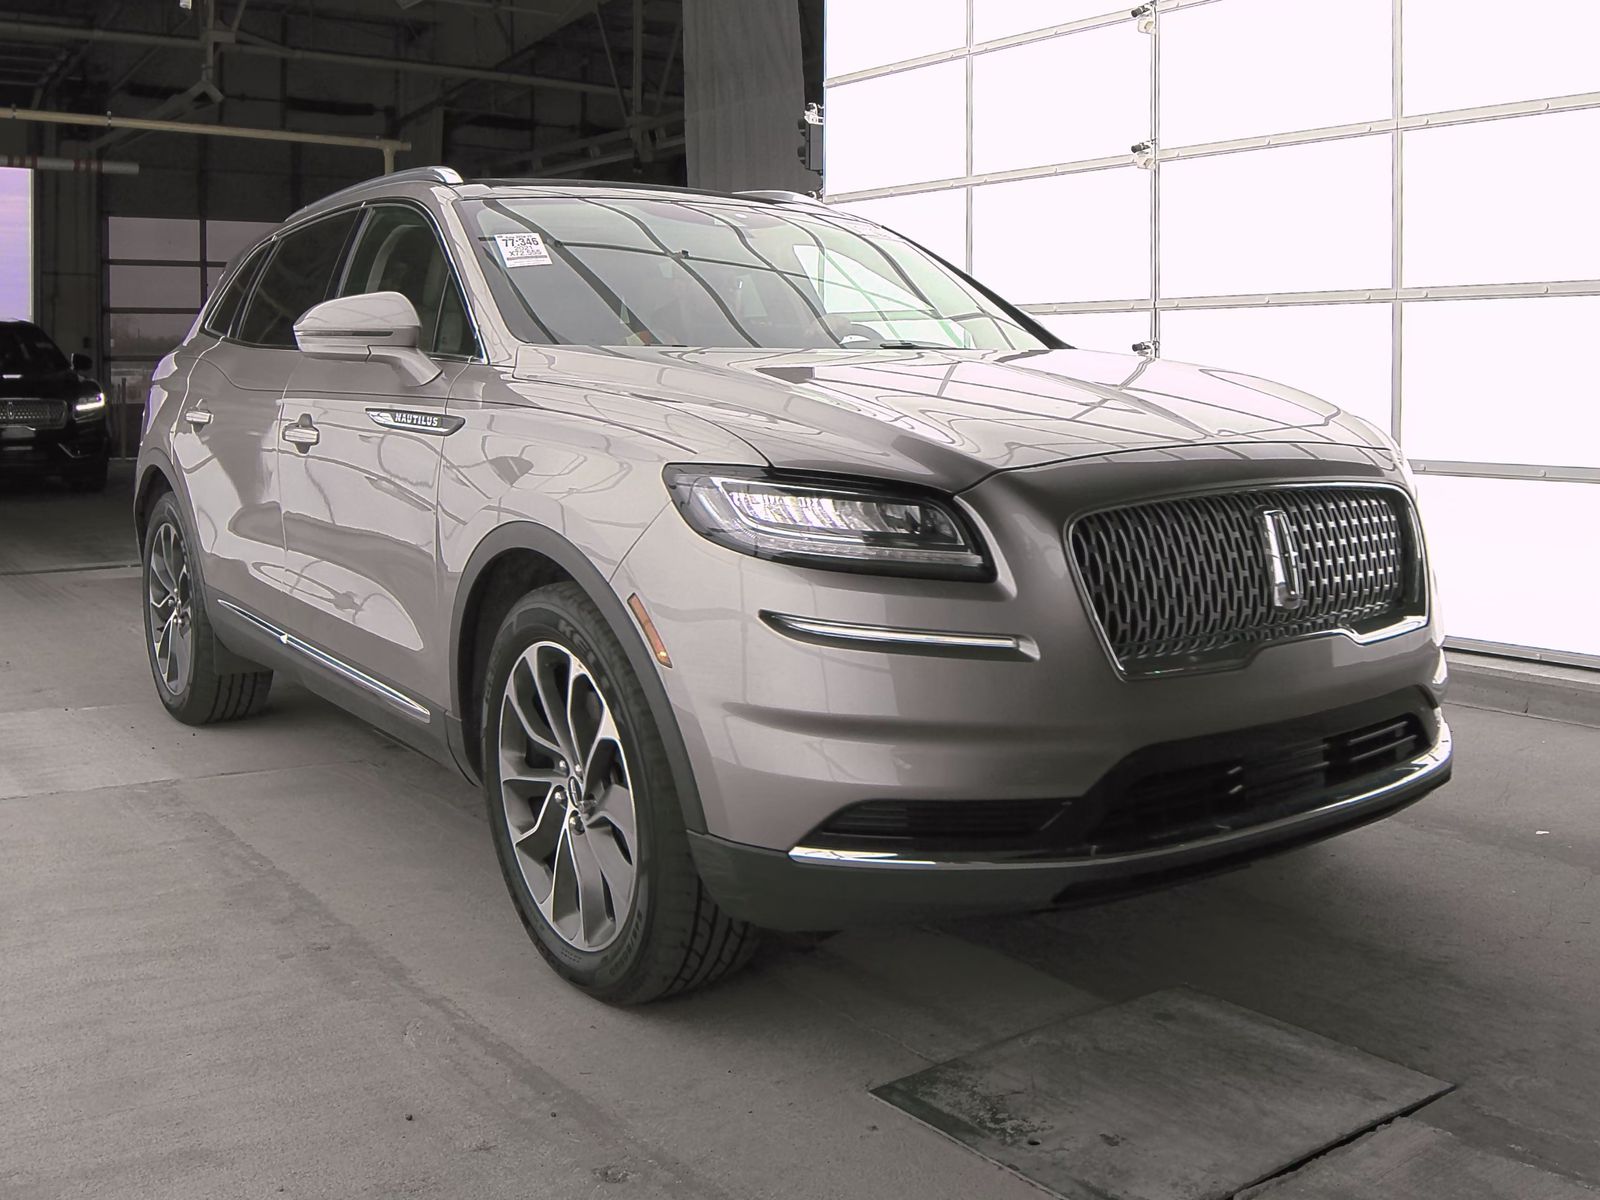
52 415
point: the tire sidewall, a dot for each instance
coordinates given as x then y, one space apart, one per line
545 617
165 512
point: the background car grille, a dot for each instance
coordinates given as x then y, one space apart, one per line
40 414
1187 582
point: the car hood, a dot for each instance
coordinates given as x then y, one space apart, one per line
950 418
49 385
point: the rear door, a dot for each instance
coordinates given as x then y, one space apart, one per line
360 525
228 433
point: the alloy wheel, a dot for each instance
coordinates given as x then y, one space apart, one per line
171 602
567 796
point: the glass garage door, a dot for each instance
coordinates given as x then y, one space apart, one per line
1384 202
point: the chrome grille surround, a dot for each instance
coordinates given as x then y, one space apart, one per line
1187 583
35 414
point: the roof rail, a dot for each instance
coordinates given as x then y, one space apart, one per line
445 175
781 197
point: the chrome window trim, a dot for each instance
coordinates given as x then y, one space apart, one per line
399 699
895 639
1411 623
1395 779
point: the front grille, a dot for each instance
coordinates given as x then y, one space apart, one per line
39 414
1189 582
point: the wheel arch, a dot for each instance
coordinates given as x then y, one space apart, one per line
510 562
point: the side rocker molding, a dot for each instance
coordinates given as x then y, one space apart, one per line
526 535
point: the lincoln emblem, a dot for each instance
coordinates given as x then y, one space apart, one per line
1283 560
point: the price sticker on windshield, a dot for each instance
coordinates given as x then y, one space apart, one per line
522 249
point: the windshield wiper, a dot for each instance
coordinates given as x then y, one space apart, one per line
914 346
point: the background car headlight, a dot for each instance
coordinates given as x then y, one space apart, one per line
840 525
85 405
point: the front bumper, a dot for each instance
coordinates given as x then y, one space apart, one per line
23 448
815 889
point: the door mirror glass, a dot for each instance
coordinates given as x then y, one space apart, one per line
82 362
375 327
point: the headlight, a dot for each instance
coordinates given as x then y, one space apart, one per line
89 404
840 525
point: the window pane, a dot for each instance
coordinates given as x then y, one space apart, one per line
219 318
16 243
1099 89
1114 332
903 128
154 237
993 19
155 287
862 35
1475 393
299 274
1462 55
1251 67
1292 219
1072 237
936 221
152 334
1337 352
1506 201
1502 549
225 240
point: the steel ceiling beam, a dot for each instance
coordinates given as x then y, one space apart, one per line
230 42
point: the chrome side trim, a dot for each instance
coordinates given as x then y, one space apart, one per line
1395 779
893 639
322 658
411 420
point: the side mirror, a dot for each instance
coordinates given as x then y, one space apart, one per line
82 362
376 327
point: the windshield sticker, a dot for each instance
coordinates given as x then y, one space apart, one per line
522 250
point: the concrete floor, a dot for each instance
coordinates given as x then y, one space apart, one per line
276 958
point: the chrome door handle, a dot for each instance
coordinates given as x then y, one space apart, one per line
197 417
302 434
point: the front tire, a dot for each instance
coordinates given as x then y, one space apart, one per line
585 813
182 648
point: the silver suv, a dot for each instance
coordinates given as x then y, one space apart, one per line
768 572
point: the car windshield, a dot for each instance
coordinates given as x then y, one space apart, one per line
609 270
24 350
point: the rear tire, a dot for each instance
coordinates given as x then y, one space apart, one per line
649 929
179 640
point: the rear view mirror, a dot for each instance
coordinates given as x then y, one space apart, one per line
376 327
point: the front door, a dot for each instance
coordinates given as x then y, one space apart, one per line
360 450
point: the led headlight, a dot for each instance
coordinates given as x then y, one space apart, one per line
818 521
85 405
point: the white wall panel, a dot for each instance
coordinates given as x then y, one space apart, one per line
1295 218
1100 331
1065 238
1494 381
1502 201
1099 102
1338 352
1465 53
936 220
870 33
1242 67
1503 553
902 128
1002 18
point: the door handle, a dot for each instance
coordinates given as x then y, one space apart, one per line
197 417
302 435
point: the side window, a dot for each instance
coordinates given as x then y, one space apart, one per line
220 317
298 275
398 251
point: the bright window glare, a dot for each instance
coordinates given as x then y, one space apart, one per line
16 243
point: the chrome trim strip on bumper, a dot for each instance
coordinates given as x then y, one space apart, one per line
1393 780
322 658
891 639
